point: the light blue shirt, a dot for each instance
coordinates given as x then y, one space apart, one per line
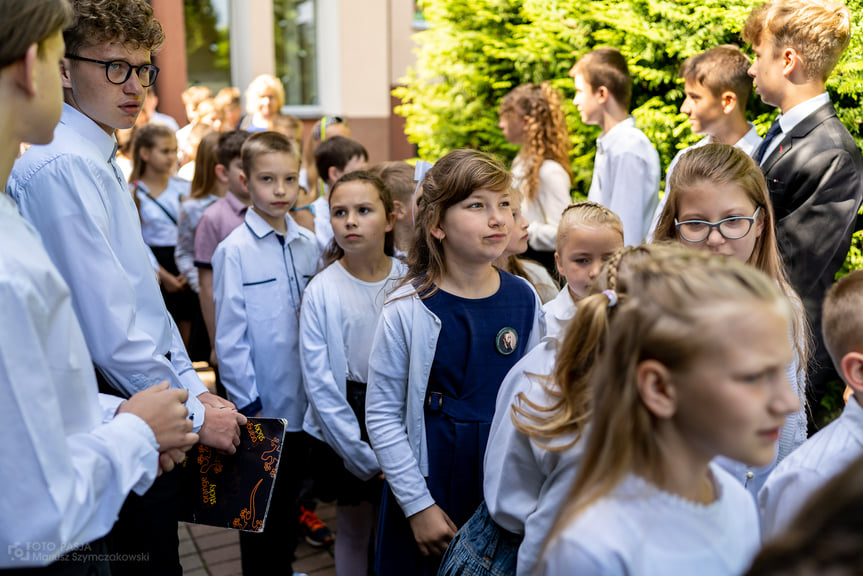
73 193
257 285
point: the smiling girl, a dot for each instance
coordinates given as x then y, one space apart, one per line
443 344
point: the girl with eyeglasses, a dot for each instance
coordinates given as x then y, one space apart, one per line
718 202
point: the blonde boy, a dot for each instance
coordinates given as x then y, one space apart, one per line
826 454
717 86
626 169
260 271
811 163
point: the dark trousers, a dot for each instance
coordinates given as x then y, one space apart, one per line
277 543
144 540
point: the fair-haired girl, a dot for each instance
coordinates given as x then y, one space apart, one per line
718 202
444 343
340 309
157 193
531 271
531 117
587 235
693 366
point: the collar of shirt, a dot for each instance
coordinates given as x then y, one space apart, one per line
609 139
750 141
854 412
260 228
235 203
89 131
797 114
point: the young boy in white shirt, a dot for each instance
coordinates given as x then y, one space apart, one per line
260 271
828 452
626 168
717 86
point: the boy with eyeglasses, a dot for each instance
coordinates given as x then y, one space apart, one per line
73 193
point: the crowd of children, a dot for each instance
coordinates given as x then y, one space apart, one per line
467 414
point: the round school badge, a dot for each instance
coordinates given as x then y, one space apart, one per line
506 341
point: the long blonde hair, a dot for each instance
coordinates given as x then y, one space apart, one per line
546 137
667 296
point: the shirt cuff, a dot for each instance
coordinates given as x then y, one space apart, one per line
196 412
251 409
109 405
140 448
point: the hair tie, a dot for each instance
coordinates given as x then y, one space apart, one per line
612 297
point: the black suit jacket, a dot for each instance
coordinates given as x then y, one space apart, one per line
815 178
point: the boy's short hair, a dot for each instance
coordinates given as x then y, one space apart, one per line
819 30
720 69
586 213
399 178
230 146
28 22
128 22
269 142
336 152
842 318
606 67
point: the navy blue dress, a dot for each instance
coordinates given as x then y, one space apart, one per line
480 340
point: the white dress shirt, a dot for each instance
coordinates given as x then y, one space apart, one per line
64 473
790 119
73 193
817 461
626 178
639 529
258 283
337 324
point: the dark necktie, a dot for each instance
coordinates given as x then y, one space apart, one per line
775 129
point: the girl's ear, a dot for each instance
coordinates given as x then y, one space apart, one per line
438 232
656 388
391 221
759 224
399 210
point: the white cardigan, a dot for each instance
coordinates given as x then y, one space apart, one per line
322 356
398 379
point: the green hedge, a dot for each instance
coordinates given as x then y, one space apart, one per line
477 50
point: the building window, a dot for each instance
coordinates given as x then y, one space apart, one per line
208 47
296 51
